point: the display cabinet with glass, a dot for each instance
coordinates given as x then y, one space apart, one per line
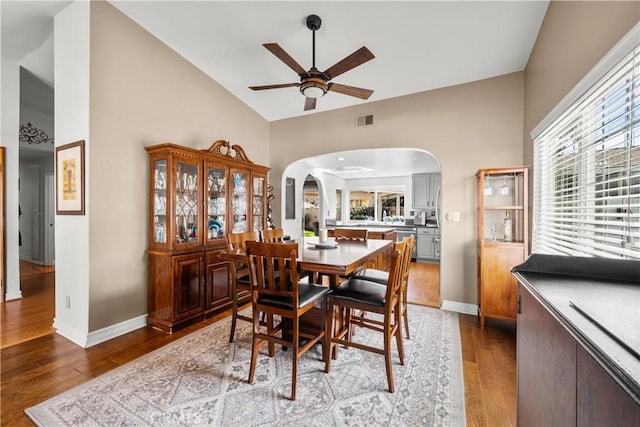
502 238
197 198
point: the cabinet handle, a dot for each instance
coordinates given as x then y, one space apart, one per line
518 304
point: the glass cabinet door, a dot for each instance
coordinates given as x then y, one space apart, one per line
216 202
160 202
239 202
258 202
186 202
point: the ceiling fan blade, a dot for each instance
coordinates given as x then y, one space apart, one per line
310 104
358 57
274 86
284 57
358 92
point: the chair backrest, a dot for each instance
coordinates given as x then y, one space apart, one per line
273 269
355 234
272 235
238 240
409 241
394 284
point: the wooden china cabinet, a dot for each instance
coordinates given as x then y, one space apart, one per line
502 238
197 197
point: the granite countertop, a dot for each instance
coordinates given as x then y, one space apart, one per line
602 312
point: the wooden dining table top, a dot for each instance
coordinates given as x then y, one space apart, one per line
341 260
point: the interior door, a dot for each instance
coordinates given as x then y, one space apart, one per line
2 228
49 219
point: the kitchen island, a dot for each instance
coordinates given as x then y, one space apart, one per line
377 233
578 341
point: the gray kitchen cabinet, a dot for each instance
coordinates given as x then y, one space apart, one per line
425 188
428 244
420 189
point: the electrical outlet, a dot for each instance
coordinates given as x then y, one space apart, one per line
67 301
449 216
456 217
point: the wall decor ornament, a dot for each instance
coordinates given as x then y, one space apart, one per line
70 179
32 135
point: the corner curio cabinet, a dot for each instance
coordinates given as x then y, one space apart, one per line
502 238
197 197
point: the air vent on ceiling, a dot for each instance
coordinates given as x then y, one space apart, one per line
362 121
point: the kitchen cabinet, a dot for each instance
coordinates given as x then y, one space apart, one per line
425 190
502 238
197 197
428 243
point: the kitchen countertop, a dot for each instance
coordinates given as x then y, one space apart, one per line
379 225
577 292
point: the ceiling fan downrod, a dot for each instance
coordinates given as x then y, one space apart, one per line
313 23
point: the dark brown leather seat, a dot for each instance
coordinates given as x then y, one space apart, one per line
283 296
370 297
382 277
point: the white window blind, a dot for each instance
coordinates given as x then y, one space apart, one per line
587 170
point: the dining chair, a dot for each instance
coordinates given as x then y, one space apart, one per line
277 292
382 277
240 281
358 294
354 234
272 235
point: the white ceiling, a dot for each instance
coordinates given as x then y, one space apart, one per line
418 45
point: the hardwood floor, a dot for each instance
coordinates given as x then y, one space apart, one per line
31 316
40 368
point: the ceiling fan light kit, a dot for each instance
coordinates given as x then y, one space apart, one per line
313 83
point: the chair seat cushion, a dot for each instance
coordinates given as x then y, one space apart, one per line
307 293
243 280
363 291
373 275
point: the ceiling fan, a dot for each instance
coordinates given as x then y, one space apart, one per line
314 83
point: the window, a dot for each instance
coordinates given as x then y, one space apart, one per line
383 206
587 164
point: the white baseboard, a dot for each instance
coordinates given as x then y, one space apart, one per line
70 332
460 307
116 330
84 339
13 295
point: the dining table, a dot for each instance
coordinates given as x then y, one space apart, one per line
333 259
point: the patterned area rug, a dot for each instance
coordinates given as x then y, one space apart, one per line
201 379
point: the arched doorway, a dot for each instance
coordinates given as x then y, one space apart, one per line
385 176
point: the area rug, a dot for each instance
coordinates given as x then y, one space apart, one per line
201 379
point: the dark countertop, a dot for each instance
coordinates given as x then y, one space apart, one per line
608 292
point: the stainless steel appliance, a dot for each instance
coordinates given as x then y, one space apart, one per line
409 231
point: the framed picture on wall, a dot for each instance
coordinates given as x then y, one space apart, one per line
70 179
290 198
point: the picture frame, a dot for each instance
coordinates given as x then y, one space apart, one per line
70 179
290 198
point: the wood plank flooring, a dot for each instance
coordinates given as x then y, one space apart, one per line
36 369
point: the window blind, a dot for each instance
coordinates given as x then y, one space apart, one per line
587 170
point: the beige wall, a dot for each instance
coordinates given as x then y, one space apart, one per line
574 36
466 127
142 93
